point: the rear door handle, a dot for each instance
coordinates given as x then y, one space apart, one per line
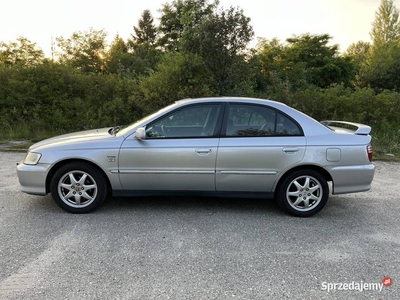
291 150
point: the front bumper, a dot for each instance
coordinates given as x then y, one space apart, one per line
32 178
351 179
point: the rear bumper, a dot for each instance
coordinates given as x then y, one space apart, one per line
32 178
351 179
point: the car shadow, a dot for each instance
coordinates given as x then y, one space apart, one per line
208 204
338 208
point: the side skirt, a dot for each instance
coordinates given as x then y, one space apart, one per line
248 195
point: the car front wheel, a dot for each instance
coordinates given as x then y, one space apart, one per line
78 187
303 193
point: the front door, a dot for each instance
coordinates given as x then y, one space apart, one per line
179 152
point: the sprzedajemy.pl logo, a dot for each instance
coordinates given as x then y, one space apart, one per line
356 285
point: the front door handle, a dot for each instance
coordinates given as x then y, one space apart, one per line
203 151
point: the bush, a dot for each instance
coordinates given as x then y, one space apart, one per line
51 98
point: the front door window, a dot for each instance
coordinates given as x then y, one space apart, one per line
190 122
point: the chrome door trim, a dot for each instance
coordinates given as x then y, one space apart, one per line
250 172
164 172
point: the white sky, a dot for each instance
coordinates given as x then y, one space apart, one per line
347 21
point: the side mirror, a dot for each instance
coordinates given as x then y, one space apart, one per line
140 133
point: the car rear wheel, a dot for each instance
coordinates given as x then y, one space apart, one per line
78 187
303 193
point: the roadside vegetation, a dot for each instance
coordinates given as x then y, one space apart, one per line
197 49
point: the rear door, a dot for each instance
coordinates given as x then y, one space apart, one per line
259 143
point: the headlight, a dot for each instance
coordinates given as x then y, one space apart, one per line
32 158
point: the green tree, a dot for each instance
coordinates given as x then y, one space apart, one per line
145 58
130 60
270 55
177 16
84 50
305 60
178 75
220 39
117 57
386 26
22 52
380 70
322 63
146 31
358 53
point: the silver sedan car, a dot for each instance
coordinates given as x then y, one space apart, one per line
229 147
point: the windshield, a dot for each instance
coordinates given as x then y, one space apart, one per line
128 128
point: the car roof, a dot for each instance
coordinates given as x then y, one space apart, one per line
231 99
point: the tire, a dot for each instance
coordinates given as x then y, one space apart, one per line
78 187
303 193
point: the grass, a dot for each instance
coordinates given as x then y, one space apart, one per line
15 146
20 137
385 158
25 131
386 143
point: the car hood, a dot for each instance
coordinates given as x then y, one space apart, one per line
75 138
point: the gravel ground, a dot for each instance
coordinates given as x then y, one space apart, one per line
180 248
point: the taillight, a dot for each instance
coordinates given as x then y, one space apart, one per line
369 151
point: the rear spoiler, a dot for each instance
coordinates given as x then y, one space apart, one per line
361 128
